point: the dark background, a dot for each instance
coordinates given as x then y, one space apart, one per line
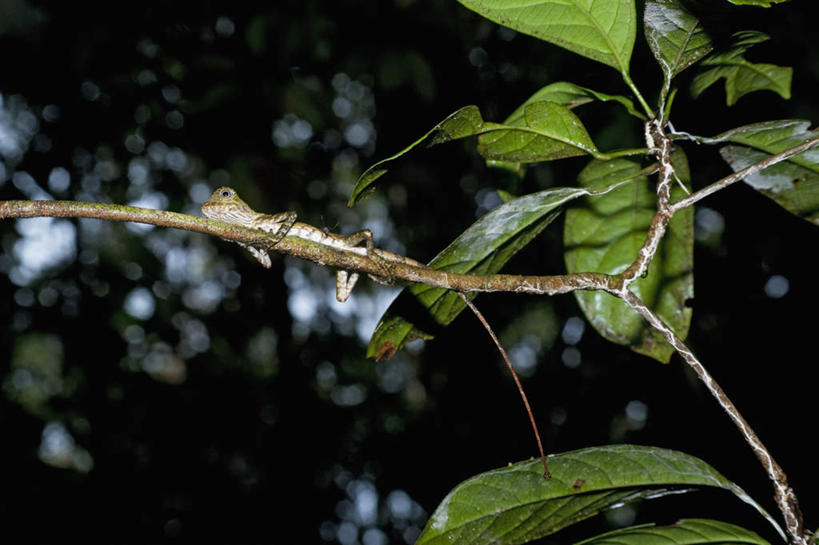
161 386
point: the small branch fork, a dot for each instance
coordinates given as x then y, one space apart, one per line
618 285
658 141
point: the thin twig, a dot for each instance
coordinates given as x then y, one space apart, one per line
745 172
544 285
660 143
505 357
350 260
784 495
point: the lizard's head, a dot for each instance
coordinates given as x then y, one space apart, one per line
225 205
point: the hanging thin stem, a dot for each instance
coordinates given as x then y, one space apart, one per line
505 357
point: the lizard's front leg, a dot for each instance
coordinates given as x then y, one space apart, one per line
278 224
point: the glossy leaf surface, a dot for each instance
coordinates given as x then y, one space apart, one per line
604 234
790 185
741 76
774 137
548 131
482 249
757 3
515 504
682 532
602 31
565 94
571 96
675 36
793 184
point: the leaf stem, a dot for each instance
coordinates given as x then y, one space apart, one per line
646 108
622 153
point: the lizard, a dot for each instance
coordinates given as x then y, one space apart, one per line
226 205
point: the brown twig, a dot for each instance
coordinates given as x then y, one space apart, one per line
744 173
505 357
660 143
306 249
618 285
784 495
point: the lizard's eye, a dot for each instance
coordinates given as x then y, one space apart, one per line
226 193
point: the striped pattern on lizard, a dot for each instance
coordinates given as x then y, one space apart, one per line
225 205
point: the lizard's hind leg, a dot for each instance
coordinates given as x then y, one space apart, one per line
345 280
366 236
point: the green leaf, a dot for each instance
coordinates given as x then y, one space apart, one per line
741 76
550 131
793 184
757 3
569 95
518 169
604 234
675 36
515 504
565 94
775 137
793 187
461 123
482 249
682 532
601 31
505 196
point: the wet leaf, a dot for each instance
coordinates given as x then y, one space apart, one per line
682 532
604 234
675 36
549 131
515 504
741 76
482 249
601 31
793 187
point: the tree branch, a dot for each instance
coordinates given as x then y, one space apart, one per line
745 172
618 285
660 143
313 251
784 495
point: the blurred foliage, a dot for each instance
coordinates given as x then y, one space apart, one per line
160 386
